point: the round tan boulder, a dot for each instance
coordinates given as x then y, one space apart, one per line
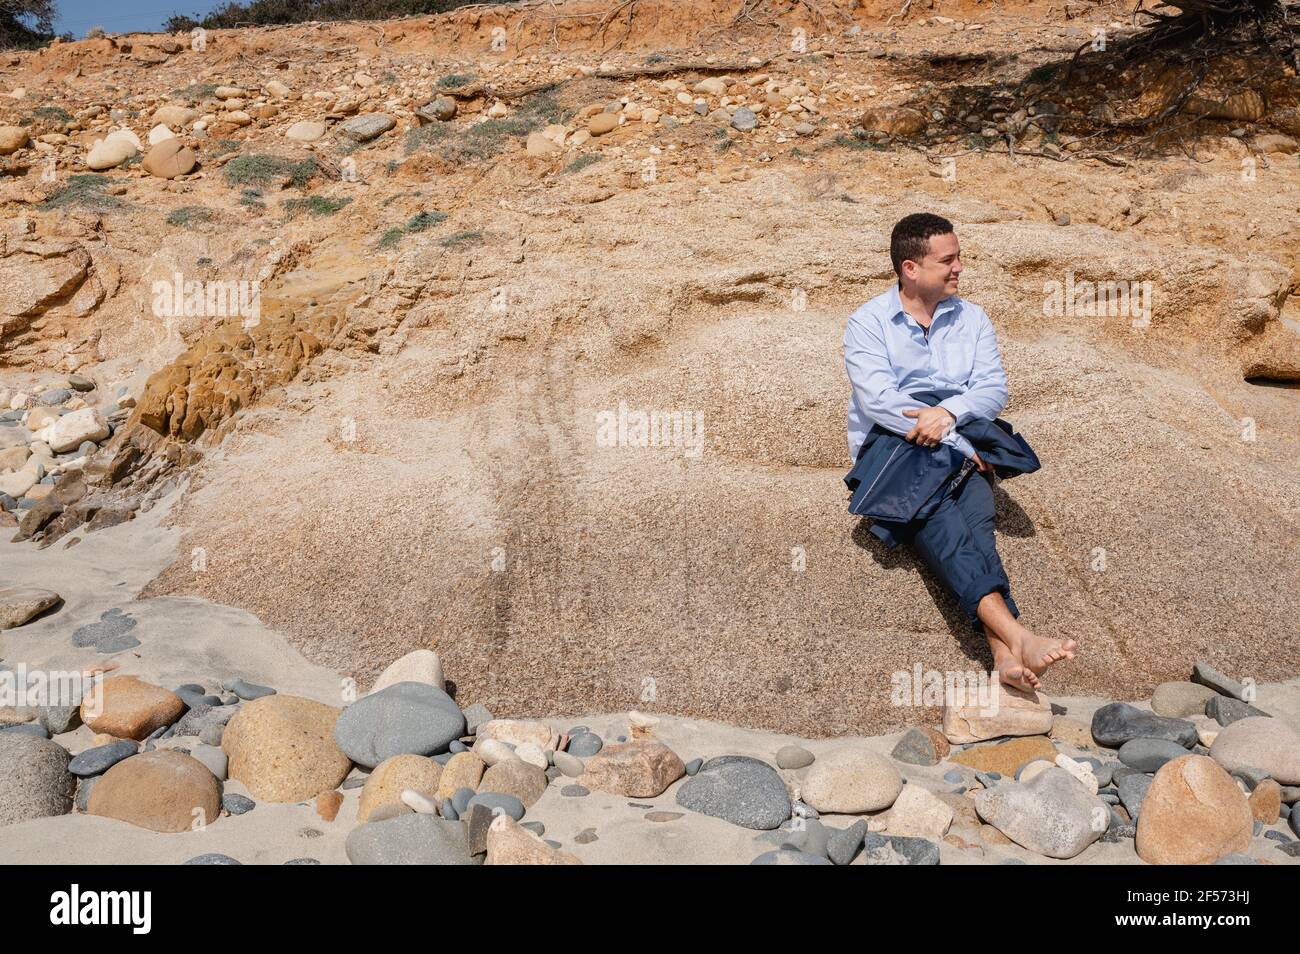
169 158
12 138
176 117
1266 801
392 776
852 781
18 604
513 777
306 130
540 145
1193 814
1260 742
282 747
602 123
162 791
463 770
129 708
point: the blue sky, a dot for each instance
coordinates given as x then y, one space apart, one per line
123 16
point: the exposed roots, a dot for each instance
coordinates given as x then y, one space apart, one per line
1155 88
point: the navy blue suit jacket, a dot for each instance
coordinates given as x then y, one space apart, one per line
894 479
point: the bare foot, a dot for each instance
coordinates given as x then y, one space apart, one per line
1011 670
1039 652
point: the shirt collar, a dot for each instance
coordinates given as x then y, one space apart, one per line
896 304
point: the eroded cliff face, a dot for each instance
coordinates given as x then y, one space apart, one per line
406 441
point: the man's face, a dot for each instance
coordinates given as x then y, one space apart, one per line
936 275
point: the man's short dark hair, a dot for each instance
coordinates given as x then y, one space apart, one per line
911 238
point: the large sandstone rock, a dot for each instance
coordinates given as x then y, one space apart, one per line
642 768
513 777
12 138
508 843
1006 711
18 604
851 780
36 275
130 708
23 479
463 770
162 791
539 145
602 123
423 665
34 779
70 430
919 813
282 747
169 158
13 458
1260 742
226 370
393 776
1266 801
1192 814
603 536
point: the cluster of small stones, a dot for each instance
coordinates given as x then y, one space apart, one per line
1202 777
370 98
48 432
361 101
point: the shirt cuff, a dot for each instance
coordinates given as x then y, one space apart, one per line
958 443
958 407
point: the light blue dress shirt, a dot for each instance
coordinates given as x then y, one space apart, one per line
888 356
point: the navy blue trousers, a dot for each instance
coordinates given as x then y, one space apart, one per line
953 536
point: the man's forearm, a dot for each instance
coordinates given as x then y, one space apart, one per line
986 402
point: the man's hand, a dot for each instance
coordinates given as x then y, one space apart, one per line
982 467
931 424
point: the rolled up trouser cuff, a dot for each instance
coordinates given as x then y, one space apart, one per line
980 587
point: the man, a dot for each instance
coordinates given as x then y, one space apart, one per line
924 367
